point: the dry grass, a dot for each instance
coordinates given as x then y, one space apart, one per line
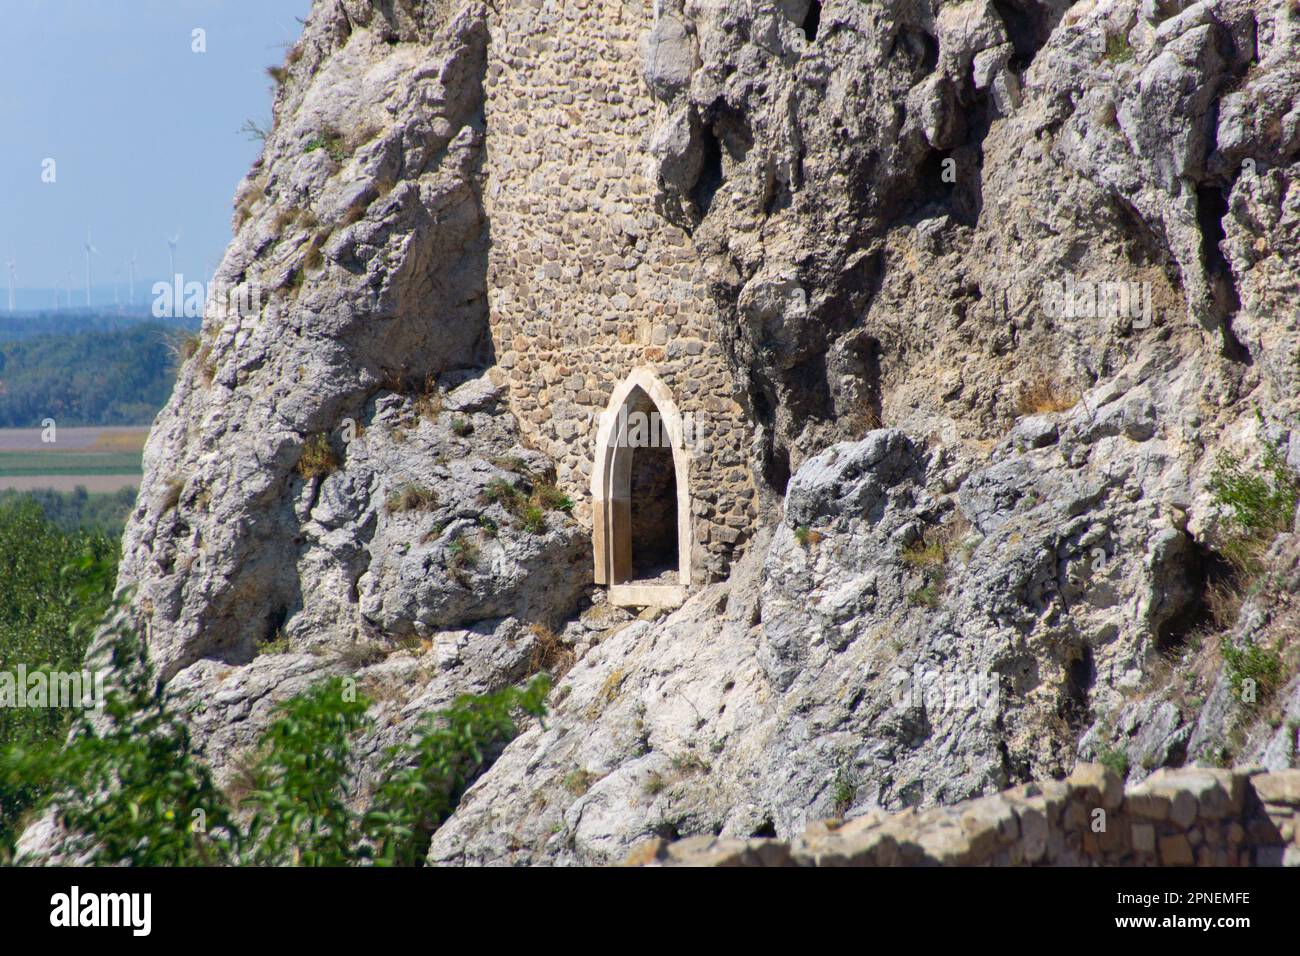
362 654
318 458
1223 600
183 346
428 400
411 497
550 653
172 493
1044 395
936 546
244 779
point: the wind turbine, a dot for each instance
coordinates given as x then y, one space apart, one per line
130 263
67 284
90 248
172 243
10 263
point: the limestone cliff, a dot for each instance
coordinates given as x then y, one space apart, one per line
964 299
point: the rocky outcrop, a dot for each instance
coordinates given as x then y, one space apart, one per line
881 248
1177 818
995 283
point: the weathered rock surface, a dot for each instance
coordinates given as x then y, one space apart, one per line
908 212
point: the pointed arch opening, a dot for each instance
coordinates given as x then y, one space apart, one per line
641 506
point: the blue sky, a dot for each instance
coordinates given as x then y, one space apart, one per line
144 133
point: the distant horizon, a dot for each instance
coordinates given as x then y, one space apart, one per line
32 300
139 105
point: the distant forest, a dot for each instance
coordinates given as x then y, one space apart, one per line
85 370
73 512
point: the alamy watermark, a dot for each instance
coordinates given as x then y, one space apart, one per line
640 429
1074 298
937 691
179 298
41 689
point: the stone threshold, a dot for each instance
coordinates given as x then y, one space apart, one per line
647 595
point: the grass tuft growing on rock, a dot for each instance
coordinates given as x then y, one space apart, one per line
528 510
550 653
411 497
317 459
1045 395
807 537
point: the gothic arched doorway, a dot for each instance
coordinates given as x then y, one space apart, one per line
641 506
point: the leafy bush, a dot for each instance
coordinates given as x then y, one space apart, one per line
54 585
131 789
533 520
551 498
1261 503
301 816
1114 760
425 779
79 510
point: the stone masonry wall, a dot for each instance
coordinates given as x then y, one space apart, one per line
1192 816
586 281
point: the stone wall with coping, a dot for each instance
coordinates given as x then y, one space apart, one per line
586 281
1191 816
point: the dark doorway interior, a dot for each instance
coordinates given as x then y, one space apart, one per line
654 515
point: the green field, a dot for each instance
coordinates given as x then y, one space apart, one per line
22 463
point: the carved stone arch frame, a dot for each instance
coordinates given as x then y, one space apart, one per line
611 481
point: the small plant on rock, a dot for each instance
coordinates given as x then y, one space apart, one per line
411 497
317 459
461 553
807 537
551 498
533 520
1114 759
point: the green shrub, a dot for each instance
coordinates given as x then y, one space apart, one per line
332 141
533 520
1114 759
1261 503
499 491
807 537
1118 49
551 498
54 586
1261 665
130 788
928 595
300 784
424 780
461 553
846 789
